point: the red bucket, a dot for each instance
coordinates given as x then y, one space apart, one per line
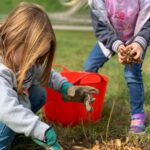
71 113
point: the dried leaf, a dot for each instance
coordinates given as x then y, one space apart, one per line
118 142
79 148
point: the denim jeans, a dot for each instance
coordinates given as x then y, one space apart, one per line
132 74
37 96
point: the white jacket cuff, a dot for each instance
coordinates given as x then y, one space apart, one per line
39 130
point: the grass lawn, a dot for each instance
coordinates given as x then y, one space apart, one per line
73 48
49 5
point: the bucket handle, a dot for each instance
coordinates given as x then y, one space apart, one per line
66 70
79 79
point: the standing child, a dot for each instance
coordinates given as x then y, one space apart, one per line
118 25
27 47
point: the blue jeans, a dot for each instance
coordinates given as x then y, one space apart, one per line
37 96
132 74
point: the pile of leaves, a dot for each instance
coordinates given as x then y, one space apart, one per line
116 144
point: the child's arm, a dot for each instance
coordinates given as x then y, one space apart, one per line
56 80
69 91
19 118
77 93
15 115
143 36
105 33
140 42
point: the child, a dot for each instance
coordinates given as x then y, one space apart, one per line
118 25
27 47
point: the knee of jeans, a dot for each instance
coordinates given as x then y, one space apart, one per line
6 137
42 97
133 78
37 93
89 67
38 100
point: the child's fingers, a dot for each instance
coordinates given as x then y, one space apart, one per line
135 53
87 103
90 90
121 61
121 56
92 100
137 56
121 51
128 46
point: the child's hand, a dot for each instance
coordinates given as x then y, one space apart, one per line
137 51
81 94
121 52
50 141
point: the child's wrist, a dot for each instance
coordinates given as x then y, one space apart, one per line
141 41
65 86
50 136
139 45
49 139
116 45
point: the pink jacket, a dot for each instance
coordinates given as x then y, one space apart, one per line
123 15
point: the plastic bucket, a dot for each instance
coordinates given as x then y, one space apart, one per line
71 113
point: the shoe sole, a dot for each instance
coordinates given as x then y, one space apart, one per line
133 133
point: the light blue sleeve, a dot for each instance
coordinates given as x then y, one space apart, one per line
17 117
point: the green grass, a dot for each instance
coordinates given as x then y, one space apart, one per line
73 48
49 5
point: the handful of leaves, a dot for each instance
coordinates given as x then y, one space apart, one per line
129 57
81 94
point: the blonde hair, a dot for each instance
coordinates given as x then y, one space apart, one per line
27 28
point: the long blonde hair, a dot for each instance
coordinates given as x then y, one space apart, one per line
27 28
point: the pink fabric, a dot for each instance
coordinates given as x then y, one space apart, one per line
123 16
